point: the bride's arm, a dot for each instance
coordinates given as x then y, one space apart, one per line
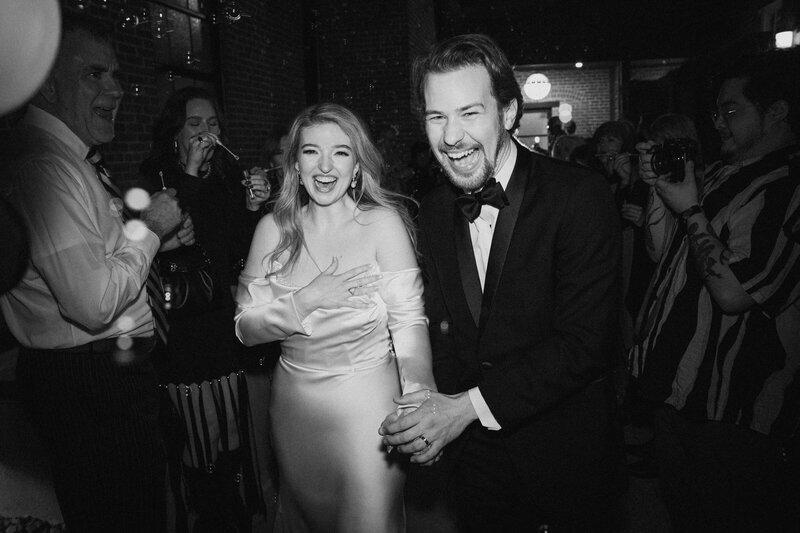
401 289
261 315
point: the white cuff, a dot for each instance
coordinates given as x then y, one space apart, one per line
484 414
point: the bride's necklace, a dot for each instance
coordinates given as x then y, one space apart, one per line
305 247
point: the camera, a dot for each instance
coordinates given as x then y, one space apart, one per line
670 157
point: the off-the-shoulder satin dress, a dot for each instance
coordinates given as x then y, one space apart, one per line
332 387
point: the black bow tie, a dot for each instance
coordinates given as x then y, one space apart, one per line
492 194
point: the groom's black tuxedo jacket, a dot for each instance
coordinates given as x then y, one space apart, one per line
538 340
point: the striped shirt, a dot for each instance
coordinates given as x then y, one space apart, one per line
739 368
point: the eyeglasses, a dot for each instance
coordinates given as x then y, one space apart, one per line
726 115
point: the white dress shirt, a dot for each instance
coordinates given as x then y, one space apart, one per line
481 232
85 278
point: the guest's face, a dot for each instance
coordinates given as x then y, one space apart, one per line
326 162
200 118
609 144
740 124
85 92
465 125
276 160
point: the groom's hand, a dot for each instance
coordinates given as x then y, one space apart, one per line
424 432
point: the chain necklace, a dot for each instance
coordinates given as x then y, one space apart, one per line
305 247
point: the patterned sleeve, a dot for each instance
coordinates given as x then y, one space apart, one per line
763 237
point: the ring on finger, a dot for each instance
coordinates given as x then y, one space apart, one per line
352 290
426 441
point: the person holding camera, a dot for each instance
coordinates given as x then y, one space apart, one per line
671 139
719 334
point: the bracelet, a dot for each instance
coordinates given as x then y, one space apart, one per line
684 215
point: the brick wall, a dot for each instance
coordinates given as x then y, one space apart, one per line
590 90
364 51
607 91
262 67
261 71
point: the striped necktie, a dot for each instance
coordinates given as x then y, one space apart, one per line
155 291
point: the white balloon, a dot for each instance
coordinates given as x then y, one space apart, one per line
30 31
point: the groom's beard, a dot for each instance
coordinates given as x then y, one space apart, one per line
479 177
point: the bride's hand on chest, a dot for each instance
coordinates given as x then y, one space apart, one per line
333 288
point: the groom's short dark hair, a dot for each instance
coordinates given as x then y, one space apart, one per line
465 51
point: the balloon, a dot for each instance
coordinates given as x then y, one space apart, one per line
30 31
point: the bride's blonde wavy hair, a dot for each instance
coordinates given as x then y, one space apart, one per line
367 193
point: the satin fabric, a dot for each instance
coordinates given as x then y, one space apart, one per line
332 387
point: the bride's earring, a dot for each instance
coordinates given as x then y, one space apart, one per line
175 146
299 177
353 182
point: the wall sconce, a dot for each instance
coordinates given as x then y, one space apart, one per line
132 19
229 13
161 25
190 59
565 112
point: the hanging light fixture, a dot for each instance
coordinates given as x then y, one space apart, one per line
537 86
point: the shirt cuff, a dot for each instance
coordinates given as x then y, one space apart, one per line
484 414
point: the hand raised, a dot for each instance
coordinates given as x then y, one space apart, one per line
199 151
633 213
330 290
622 167
258 188
680 195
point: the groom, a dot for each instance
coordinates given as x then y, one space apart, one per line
520 254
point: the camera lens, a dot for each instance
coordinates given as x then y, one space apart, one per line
669 158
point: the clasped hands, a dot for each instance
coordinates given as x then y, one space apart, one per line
183 237
422 432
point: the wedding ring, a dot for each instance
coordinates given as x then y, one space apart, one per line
352 290
426 441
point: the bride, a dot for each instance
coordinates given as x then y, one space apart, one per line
332 275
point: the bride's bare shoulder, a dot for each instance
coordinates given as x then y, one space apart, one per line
267 232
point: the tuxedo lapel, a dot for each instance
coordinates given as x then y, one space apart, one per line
466 264
504 228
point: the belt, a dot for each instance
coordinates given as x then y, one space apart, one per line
112 344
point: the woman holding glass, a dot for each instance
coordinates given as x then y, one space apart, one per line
202 366
332 274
